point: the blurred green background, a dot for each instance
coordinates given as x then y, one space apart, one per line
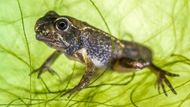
162 25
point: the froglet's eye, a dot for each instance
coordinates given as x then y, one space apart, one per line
61 24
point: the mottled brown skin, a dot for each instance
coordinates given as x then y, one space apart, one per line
93 47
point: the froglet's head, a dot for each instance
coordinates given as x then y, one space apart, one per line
57 31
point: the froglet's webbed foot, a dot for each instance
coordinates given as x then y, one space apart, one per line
162 79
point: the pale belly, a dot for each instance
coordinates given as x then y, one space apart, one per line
97 62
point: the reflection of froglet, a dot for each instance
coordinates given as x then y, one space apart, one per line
93 47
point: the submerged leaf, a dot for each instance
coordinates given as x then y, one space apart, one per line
161 25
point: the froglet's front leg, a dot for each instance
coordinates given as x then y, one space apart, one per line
87 76
46 66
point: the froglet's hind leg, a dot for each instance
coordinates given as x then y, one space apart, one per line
46 66
161 78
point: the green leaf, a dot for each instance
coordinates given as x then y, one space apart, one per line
161 25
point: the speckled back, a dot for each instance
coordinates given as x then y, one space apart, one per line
98 46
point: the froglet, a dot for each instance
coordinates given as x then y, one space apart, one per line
95 48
